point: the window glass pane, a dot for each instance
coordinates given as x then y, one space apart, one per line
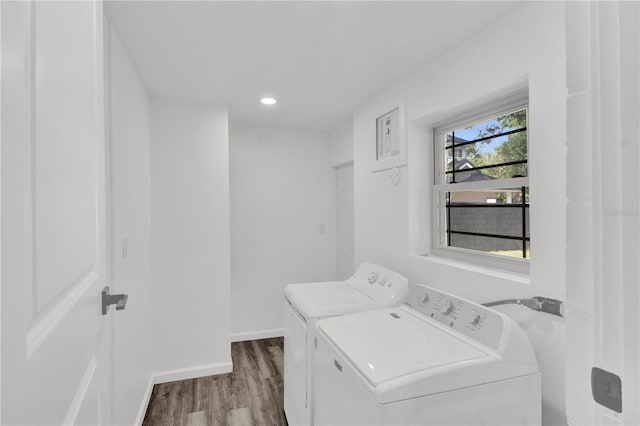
488 145
501 149
495 126
487 220
490 196
504 247
492 213
497 172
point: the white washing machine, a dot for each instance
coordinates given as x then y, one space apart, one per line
435 360
370 287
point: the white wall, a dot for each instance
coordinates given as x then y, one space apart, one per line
341 144
391 221
130 182
280 212
190 238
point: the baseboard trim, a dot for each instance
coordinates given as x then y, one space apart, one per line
192 372
180 374
146 399
256 335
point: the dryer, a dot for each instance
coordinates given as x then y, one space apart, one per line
370 287
436 360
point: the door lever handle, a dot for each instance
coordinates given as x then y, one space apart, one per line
120 300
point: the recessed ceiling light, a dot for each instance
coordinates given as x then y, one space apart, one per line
268 101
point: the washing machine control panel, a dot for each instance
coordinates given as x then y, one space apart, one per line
469 318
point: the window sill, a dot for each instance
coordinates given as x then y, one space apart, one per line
484 270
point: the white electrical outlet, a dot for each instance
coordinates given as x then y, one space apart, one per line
125 246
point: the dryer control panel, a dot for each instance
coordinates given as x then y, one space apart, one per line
379 283
464 316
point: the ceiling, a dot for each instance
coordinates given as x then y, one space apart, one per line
320 59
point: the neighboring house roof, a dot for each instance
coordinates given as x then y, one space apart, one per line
463 163
456 139
467 176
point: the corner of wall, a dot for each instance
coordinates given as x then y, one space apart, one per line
190 235
341 144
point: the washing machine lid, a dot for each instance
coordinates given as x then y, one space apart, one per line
390 343
317 300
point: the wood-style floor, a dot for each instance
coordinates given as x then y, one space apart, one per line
251 395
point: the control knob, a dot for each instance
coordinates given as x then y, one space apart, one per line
424 299
373 277
382 280
447 307
475 318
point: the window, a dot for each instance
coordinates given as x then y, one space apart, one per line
481 190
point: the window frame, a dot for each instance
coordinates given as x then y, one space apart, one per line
438 241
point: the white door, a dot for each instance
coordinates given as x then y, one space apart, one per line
344 221
55 341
